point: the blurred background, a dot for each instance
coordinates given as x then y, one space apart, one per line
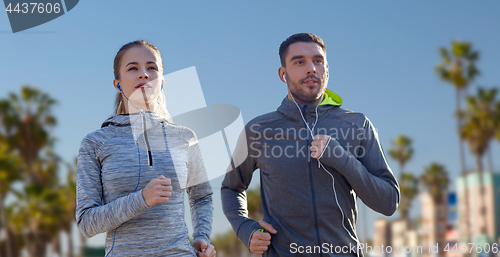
425 73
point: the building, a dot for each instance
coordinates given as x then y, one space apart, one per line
483 207
433 225
382 236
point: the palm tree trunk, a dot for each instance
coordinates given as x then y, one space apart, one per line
463 170
490 160
70 243
3 219
37 246
479 166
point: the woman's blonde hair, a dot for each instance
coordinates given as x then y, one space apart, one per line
119 103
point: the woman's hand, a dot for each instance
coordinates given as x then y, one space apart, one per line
204 249
157 191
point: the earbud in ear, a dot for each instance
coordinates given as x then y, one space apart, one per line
119 88
284 78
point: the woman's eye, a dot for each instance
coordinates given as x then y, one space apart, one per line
132 68
152 68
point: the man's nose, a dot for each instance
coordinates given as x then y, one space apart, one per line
311 69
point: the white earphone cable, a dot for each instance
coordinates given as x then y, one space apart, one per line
333 179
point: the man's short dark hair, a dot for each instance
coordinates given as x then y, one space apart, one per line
299 37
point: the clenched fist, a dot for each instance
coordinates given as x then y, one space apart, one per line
318 145
261 240
157 191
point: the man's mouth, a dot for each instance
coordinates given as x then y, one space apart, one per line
310 82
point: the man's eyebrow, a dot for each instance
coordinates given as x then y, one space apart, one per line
296 57
319 56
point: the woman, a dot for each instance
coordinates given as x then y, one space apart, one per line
132 172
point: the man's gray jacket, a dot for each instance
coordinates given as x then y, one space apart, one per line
298 197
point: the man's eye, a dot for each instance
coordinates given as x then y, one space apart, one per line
298 62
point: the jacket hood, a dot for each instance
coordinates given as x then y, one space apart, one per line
123 120
289 108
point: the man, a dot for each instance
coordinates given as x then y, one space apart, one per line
315 159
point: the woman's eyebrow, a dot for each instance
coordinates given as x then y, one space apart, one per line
131 63
135 63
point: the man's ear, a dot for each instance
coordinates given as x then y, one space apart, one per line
281 74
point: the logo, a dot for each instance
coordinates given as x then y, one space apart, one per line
217 126
25 14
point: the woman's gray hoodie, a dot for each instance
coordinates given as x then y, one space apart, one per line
110 182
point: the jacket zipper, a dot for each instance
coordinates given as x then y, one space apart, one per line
150 157
312 183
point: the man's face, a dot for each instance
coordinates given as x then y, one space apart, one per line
306 72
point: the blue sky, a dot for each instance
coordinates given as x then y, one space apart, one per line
381 56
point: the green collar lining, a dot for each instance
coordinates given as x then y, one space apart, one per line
331 98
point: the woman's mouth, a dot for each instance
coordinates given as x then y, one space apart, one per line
143 86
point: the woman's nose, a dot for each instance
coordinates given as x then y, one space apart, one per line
143 75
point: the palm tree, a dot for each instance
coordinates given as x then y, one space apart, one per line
408 185
9 173
38 210
435 181
32 119
459 70
67 194
26 122
402 151
254 204
228 243
481 121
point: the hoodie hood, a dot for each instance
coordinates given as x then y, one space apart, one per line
123 120
332 101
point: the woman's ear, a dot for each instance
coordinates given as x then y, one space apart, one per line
116 83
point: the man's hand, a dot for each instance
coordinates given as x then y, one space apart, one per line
157 191
260 240
318 145
203 249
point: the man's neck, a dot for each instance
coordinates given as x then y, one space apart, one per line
315 102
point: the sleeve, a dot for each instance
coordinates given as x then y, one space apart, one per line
236 181
200 193
368 172
92 216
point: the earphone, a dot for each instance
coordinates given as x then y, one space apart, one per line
138 150
284 78
320 164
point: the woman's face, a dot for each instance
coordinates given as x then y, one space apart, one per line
140 78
